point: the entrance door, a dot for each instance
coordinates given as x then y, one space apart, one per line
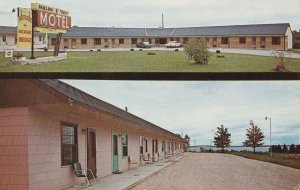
91 152
73 44
115 153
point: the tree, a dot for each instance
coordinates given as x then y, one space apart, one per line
292 149
222 137
254 136
197 50
285 148
187 138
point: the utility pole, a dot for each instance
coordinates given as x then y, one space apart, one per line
270 135
162 20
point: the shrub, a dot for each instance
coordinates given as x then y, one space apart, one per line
98 49
131 49
45 49
281 61
150 53
140 49
18 55
197 50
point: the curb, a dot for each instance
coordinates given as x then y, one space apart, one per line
143 179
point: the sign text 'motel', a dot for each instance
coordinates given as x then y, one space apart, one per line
51 18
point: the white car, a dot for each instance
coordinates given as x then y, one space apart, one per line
172 44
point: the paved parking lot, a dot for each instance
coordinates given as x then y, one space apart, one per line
222 171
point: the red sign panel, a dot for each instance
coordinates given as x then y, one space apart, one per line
52 20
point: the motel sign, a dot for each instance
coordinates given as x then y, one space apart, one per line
54 19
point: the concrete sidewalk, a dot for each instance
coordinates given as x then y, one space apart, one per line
133 176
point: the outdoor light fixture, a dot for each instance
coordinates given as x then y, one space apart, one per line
266 118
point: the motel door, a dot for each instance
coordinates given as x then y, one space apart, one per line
115 153
91 152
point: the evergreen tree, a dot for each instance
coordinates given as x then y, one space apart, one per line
285 148
254 136
292 149
279 149
297 151
222 138
187 138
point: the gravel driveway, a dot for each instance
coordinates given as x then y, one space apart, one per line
222 171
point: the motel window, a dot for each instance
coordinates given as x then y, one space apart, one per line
66 40
275 40
121 41
97 41
69 146
178 39
53 41
263 39
113 41
84 41
134 41
150 41
157 40
16 39
242 40
185 40
3 38
124 144
254 39
105 40
207 39
73 40
224 40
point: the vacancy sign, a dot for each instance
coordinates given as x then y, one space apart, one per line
49 19
24 33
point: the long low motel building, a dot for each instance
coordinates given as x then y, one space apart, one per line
259 36
47 125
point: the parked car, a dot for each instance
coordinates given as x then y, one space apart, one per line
144 45
172 44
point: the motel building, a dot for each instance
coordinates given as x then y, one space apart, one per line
259 36
47 125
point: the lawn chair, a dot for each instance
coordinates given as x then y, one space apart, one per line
79 172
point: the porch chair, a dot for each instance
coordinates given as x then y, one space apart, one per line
80 172
148 161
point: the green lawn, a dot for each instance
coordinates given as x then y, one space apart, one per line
295 51
290 160
162 61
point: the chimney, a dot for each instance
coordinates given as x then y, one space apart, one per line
126 109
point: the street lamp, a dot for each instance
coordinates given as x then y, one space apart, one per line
270 134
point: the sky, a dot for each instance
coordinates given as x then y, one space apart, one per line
177 13
197 108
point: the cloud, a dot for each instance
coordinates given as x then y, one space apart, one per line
197 107
147 13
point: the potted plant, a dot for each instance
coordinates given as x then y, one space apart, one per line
18 56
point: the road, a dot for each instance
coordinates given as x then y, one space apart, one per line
222 171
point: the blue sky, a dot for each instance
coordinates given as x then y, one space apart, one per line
198 107
177 13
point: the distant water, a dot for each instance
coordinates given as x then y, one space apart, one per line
234 148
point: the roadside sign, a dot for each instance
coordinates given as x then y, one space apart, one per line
24 33
9 53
